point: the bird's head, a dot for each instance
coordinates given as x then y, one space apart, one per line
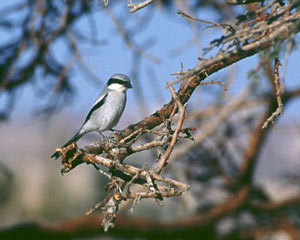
119 82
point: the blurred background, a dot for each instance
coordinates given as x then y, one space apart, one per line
55 57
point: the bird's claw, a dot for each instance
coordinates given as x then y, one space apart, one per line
117 133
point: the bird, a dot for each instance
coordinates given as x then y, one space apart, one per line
107 109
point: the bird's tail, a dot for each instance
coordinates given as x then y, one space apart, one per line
75 138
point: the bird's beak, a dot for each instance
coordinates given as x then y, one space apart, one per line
128 85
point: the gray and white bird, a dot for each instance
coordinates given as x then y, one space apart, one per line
107 109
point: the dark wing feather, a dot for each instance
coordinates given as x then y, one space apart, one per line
95 107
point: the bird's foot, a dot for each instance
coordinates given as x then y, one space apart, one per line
117 133
110 140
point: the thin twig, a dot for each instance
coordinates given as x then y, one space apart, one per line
163 161
223 25
136 201
128 185
102 172
146 146
196 19
279 109
129 137
138 6
215 82
179 73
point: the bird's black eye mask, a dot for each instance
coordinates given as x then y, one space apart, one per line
115 80
118 81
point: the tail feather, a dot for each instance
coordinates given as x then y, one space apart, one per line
75 138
